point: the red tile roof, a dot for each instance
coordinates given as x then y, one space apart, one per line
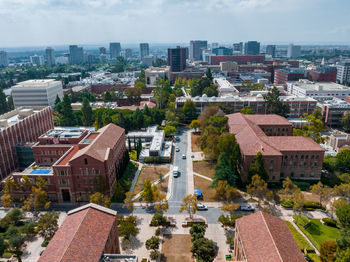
252 139
108 136
267 238
82 236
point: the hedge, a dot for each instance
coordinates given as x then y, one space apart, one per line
300 239
329 222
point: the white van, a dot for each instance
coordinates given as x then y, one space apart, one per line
176 171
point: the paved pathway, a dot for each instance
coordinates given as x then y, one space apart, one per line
190 182
136 177
205 177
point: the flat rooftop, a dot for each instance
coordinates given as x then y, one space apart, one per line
36 82
66 132
319 86
15 116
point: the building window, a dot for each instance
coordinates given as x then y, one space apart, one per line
301 175
273 177
312 174
85 161
63 181
62 173
292 174
85 181
90 171
97 171
282 175
83 171
91 181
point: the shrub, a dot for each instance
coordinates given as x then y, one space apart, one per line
158 220
287 203
329 222
154 255
157 233
328 250
7 255
312 205
45 243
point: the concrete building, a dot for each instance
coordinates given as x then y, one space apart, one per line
20 126
87 234
76 162
102 50
4 58
38 92
283 154
338 140
323 74
238 47
144 50
298 105
240 59
251 48
305 87
294 51
333 109
343 72
222 51
50 56
76 54
177 59
37 60
114 50
282 76
229 66
153 74
148 60
196 48
263 237
128 53
271 50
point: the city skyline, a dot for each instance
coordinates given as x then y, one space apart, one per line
35 21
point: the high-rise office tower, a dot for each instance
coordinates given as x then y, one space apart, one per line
271 50
196 49
144 50
3 59
76 54
343 72
294 51
177 59
50 56
114 50
238 47
102 50
252 48
37 60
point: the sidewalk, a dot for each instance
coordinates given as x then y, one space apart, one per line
190 181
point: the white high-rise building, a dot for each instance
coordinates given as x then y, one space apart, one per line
294 51
50 56
343 72
37 60
3 59
38 92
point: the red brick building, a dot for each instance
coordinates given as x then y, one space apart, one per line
263 237
20 126
78 162
284 155
323 74
281 76
86 234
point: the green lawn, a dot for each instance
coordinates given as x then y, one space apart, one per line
319 233
303 243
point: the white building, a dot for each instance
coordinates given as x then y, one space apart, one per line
343 72
294 51
38 92
305 87
153 74
3 59
37 60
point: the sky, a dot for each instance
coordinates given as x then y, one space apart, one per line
64 22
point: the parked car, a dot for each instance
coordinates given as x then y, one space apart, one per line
176 171
247 207
183 156
177 149
177 138
200 207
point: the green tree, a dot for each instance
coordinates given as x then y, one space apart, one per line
189 204
208 74
38 199
343 214
345 122
100 199
194 125
107 97
247 110
197 231
343 256
223 171
257 167
317 113
48 225
289 188
313 129
58 105
189 110
258 188
274 104
324 192
87 112
67 112
203 250
15 242
169 130
327 251
14 216
152 243
127 227
225 192
3 245
4 108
